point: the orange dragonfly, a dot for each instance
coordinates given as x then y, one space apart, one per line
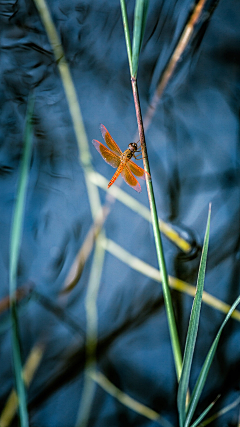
120 160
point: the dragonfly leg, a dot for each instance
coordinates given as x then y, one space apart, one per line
138 156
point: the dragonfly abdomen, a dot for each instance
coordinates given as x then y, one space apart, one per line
117 173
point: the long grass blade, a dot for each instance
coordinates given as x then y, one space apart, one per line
140 17
127 400
16 234
205 369
204 413
142 210
126 32
147 270
192 331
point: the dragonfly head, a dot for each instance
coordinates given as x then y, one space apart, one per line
133 146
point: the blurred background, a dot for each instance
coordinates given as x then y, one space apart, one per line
96 336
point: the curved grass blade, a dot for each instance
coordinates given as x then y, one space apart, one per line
147 270
206 366
127 400
16 234
140 16
192 330
142 210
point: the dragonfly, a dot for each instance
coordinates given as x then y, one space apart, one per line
120 160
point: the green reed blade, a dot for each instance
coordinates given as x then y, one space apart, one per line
204 413
192 331
16 234
140 16
126 32
206 366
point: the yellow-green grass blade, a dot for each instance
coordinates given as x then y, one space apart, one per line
140 209
127 400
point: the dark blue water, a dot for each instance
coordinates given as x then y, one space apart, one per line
193 147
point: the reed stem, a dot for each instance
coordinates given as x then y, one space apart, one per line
158 241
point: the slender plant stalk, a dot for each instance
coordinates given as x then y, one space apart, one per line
16 234
158 241
141 11
171 66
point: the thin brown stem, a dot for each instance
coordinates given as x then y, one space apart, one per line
140 124
85 251
158 240
169 70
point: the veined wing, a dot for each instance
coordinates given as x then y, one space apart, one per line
110 141
130 179
109 157
137 170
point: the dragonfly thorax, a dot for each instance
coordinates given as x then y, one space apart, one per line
129 153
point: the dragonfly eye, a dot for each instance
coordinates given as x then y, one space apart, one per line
132 146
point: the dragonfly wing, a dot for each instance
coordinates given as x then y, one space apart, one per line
137 170
130 179
109 157
110 141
